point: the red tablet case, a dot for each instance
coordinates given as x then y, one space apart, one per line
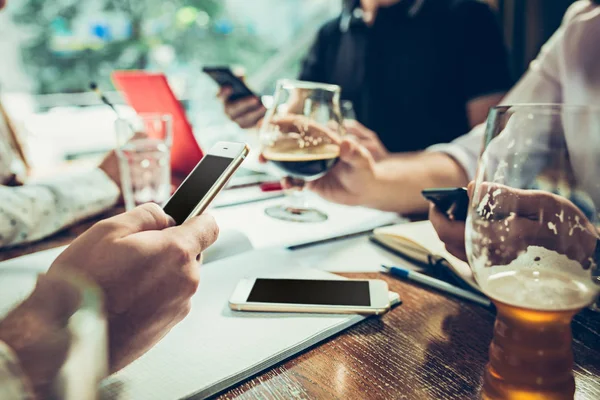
151 93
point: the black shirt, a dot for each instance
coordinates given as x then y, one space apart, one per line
411 77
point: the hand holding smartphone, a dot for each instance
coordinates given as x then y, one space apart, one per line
207 179
454 202
225 77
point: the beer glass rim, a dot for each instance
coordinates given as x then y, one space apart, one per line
533 107
297 84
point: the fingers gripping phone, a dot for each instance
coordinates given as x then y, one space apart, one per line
206 181
454 202
225 77
311 296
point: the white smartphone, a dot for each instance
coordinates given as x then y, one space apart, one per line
311 296
206 181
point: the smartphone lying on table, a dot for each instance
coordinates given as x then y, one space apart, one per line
225 77
346 296
454 202
207 179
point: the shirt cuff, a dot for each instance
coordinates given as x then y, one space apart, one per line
13 383
465 158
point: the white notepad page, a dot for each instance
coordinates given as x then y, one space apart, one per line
265 231
214 347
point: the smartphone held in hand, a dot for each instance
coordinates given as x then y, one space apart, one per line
205 182
453 202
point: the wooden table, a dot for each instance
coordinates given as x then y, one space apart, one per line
430 347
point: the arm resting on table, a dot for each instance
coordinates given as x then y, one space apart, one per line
34 211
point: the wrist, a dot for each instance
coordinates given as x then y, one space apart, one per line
375 192
36 332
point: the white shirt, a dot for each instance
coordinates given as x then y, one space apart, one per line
567 70
39 209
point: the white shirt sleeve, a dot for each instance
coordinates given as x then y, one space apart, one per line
12 380
37 210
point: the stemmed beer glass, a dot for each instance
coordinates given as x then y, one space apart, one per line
300 136
531 239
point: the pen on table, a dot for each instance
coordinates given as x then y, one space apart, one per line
436 284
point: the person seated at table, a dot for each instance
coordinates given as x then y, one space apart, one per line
565 71
33 211
418 72
139 249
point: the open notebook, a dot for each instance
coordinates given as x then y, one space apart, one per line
419 241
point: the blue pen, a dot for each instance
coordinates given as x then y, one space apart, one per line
436 284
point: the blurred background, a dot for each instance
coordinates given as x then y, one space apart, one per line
51 50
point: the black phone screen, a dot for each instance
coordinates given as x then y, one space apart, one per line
317 292
452 201
224 77
196 186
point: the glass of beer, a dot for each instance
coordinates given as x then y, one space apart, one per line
531 238
300 137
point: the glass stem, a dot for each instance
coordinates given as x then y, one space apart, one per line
297 200
296 196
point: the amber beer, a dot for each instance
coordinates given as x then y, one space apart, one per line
307 163
531 347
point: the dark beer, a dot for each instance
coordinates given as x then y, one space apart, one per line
307 164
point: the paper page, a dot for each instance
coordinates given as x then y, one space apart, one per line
215 347
420 233
237 196
423 234
229 243
265 231
349 255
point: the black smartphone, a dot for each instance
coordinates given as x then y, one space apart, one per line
454 202
225 77
205 182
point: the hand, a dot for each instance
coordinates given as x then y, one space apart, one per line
509 220
451 232
147 269
351 181
110 166
38 333
300 127
367 138
246 112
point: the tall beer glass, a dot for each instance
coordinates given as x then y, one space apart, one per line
300 137
531 239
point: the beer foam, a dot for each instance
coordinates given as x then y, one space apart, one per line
540 279
322 152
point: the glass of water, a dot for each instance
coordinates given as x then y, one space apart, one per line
143 147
